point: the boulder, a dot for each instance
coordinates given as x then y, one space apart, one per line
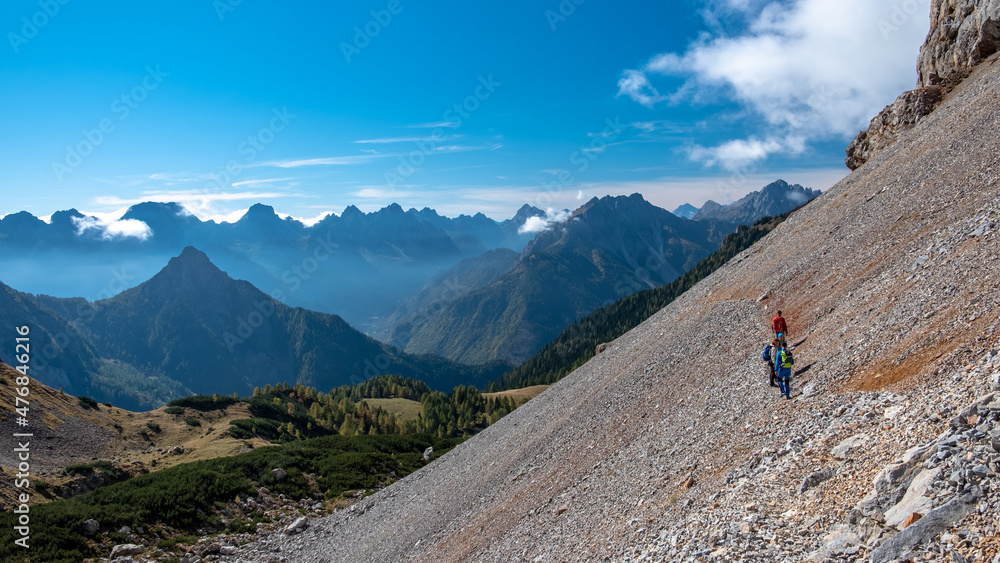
835 543
90 527
429 454
279 473
816 478
915 499
297 526
126 549
935 522
995 381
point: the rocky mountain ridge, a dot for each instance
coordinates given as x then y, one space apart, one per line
773 199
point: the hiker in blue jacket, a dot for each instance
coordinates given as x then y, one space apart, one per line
769 360
783 362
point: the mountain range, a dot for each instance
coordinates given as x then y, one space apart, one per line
507 307
193 328
770 201
358 265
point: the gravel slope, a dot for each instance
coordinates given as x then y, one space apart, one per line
889 282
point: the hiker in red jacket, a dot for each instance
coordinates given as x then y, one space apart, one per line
780 327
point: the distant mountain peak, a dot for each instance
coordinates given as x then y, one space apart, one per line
154 209
687 211
191 254
773 199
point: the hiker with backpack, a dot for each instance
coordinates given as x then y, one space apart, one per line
769 360
783 362
780 327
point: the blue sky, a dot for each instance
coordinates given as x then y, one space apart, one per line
458 106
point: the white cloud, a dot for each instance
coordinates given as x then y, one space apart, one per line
390 140
636 85
307 221
737 154
108 230
327 161
434 125
812 69
539 224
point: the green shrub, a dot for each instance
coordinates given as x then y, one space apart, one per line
101 465
203 402
174 410
87 402
192 422
153 426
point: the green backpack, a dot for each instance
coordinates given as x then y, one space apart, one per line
786 358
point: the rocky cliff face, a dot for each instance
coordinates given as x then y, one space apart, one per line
909 108
964 33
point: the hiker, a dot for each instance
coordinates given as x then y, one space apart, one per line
783 362
780 327
769 360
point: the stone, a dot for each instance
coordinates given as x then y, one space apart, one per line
601 347
125 530
912 519
429 454
995 381
177 450
995 439
126 549
90 527
817 477
844 448
892 412
915 499
562 509
212 548
935 522
297 526
279 474
840 540
227 550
